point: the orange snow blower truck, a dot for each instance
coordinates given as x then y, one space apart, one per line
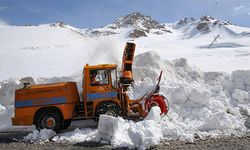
54 106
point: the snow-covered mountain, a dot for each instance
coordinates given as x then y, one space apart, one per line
51 47
139 25
208 25
136 25
46 50
203 63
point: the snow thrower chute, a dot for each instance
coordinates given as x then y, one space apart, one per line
154 98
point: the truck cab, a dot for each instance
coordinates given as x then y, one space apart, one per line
100 88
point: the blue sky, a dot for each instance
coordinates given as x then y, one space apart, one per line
97 13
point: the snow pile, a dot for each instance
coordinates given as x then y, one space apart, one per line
136 91
124 133
119 132
241 80
202 104
76 136
240 95
44 134
116 131
8 87
154 114
5 117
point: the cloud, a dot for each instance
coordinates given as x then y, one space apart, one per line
239 8
3 8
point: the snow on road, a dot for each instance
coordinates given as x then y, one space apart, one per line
116 131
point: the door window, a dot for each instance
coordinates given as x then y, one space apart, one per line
114 78
99 77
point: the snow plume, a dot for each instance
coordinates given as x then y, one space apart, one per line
105 50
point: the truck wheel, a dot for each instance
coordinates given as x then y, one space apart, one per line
66 124
108 109
49 120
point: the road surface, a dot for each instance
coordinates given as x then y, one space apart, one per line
226 143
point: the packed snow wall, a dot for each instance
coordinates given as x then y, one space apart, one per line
202 104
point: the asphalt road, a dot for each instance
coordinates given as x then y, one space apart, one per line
226 143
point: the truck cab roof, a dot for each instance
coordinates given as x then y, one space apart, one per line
100 66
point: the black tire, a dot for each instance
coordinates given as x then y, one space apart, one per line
66 124
54 117
108 108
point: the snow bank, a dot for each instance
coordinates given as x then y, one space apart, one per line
44 134
241 80
240 95
5 117
78 135
154 114
115 131
203 104
145 134
8 87
140 88
119 132
124 133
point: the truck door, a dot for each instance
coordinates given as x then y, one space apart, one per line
100 85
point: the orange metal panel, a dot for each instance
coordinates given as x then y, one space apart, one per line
25 115
127 59
29 100
52 85
47 91
100 66
67 110
89 89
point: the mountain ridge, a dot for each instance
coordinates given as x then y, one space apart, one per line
137 25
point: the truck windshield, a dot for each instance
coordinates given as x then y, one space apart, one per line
98 77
